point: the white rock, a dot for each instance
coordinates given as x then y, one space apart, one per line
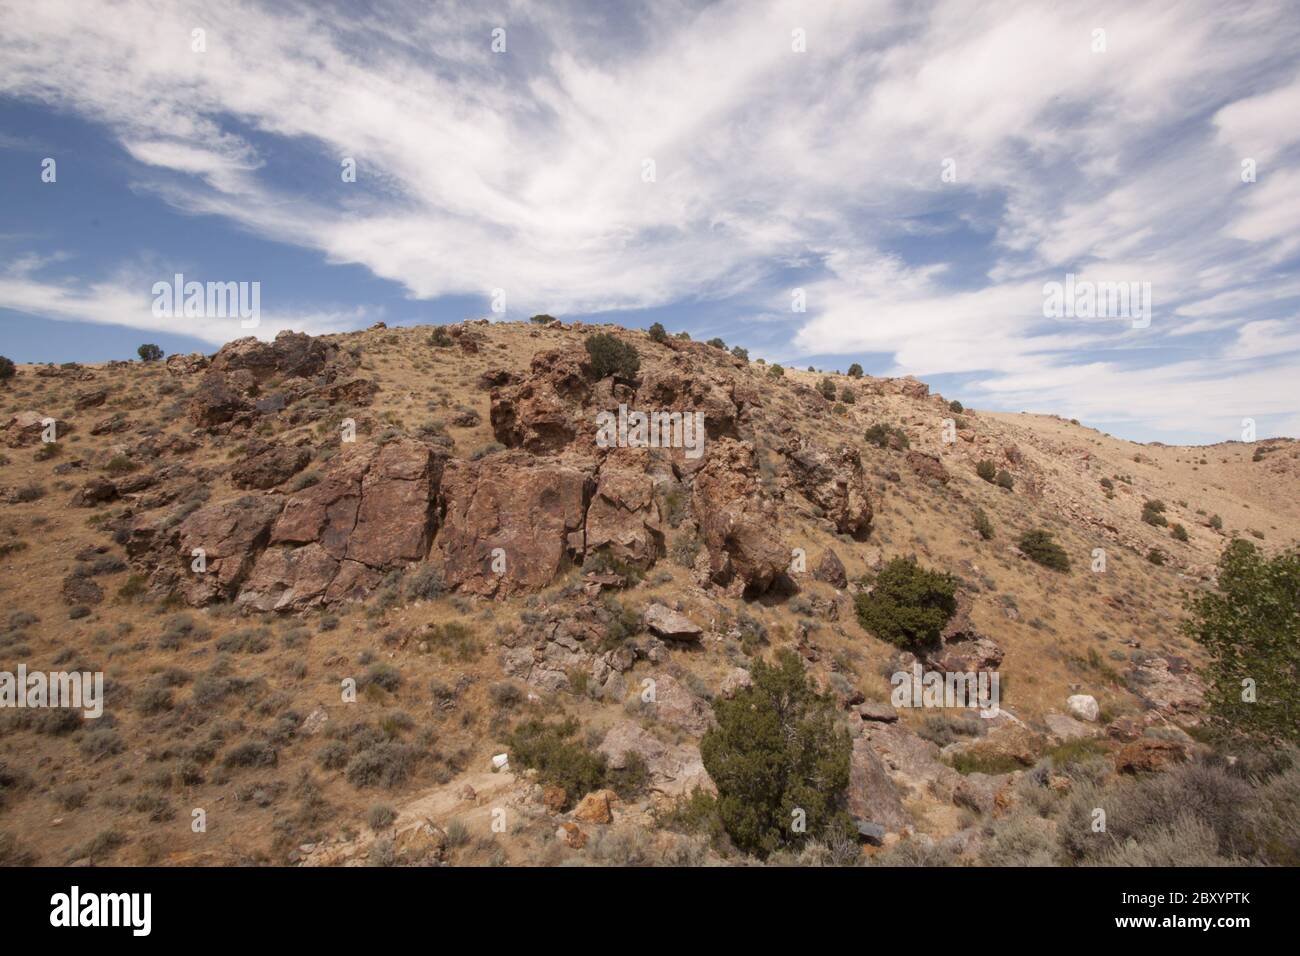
1083 707
501 762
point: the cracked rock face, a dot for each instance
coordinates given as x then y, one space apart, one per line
531 509
836 482
373 512
741 550
623 518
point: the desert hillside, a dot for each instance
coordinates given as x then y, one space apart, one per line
428 517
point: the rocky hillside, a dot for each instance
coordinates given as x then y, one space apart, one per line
328 580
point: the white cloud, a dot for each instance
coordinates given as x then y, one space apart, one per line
523 171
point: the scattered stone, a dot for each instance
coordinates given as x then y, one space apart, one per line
878 711
595 807
1083 707
830 570
668 623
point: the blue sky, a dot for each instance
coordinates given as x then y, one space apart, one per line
915 172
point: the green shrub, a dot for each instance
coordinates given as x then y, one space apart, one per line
909 605
956 406
440 338
1004 480
610 355
1153 513
7 369
776 371
1178 533
1250 625
983 525
658 333
1156 556
1216 522
544 319
386 763
559 760
827 388
887 436
778 757
986 470
380 816
718 344
741 353
855 370
149 352
121 465
1039 546
848 396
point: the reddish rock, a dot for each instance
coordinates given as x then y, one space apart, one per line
372 512
265 466
531 509
836 483
291 354
830 570
217 400
595 807
928 467
1148 755
353 391
543 413
231 534
28 427
94 492
741 549
623 518
92 399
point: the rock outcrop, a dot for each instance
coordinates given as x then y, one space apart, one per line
623 518
836 483
371 513
511 522
742 552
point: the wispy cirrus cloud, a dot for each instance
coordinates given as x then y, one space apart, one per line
773 168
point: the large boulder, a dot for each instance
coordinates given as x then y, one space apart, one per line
928 467
291 354
219 398
373 512
623 518
1169 685
836 482
1083 707
229 534
511 522
684 386
830 570
675 769
543 412
266 465
872 796
28 428
674 704
668 623
742 552
962 648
